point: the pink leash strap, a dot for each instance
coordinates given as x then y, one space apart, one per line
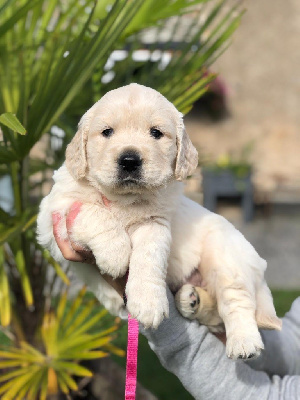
131 363
132 342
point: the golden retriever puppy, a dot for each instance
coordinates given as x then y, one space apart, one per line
124 164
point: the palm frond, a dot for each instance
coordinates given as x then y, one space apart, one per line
30 371
4 292
185 78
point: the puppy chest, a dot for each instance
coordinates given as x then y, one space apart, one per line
135 215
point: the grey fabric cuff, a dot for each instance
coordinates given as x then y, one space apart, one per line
170 329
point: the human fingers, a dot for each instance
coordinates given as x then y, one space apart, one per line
64 244
87 255
70 218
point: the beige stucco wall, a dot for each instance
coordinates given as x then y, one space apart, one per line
262 72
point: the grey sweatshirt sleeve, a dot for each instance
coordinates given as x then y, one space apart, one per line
198 359
282 349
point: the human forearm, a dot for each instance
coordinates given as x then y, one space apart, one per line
282 348
198 359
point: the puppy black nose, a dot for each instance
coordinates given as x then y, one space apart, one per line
130 161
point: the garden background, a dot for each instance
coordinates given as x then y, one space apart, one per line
56 59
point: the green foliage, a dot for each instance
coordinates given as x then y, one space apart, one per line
54 47
12 122
53 58
66 339
283 300
4 293
225 164
238 164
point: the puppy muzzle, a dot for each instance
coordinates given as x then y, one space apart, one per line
130 167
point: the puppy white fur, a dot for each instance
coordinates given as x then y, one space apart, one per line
149 225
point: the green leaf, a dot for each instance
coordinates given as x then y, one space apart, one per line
60 310
4 216
8 375
81 343
86 355
91 322
65 381
21 356
58 269
43 386
72 368
21 224
20 381
12 122
17 15
33 385
114 350
76 304
25 280
11 363
79 326
4 292
31 350
7 155
7 385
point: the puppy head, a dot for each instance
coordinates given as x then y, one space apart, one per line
130 140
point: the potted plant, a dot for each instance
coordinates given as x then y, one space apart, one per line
229 176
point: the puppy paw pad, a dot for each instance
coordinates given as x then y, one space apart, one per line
187 301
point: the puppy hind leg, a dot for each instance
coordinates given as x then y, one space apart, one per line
266 317
236 307
208 311
193 302
188 301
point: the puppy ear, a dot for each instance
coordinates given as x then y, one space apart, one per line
76 161
187 155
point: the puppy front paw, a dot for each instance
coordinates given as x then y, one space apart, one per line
187 301
113 258
244 346
149 305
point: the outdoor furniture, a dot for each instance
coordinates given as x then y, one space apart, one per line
227 184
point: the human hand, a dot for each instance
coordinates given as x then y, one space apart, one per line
71 251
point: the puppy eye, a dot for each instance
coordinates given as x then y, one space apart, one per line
156 133
107 132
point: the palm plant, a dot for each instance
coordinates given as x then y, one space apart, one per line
54 54
66 337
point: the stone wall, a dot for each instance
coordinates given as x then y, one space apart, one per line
261 72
